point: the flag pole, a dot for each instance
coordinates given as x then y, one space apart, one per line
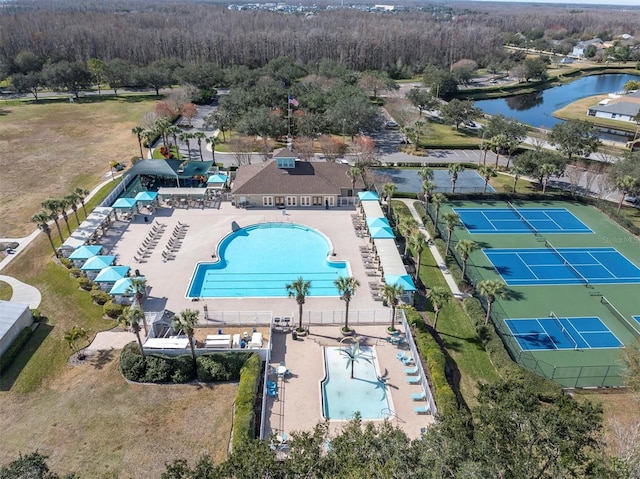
289 139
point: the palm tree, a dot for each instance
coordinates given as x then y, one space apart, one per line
213 141
174 131
138 130
149 135
464 248
517 172
427 188
353 355
185 137
299 289
451 219
545 171
72 200
353 173
346 286
199 136
497 143
63 204
82 194
389 189
438 199
42 220
130 318
418 243
439 297
485 146
391 294
138 287
407 226
160 126
487 172
187 322
73 336
490 289
454 169
426 173
624 184
52 205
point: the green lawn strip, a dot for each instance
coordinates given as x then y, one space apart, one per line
5 291
578 111
456 331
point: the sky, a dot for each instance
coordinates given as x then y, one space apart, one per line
601 3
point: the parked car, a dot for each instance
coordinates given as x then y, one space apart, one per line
391 125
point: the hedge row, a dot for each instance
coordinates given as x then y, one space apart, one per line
16 346
436 362
162 369
245 411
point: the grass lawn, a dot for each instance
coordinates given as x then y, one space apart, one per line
5 291
52 147
578 111
460 339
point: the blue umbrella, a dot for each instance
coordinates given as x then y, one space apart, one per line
378 223
380 232
146 196
111 274
403 280
85 252
368 196
125 203
123 286
96 263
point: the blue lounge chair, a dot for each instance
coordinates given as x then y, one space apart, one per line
407 360
422 409
421 396
413 379
272 392
400 355
413 370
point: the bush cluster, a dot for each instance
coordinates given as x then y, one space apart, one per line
85 283
113 310
16 346
244 418
100 297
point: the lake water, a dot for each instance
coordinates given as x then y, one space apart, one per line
536 109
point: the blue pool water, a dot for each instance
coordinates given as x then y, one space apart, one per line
342 396
259 260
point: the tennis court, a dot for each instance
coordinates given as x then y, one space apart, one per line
562 266
514 220
554 333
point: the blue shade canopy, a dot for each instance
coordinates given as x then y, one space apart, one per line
146 196
368 196
85 252
378 232
96 263
125 203
123 286
219 178
378 223
111 274
403 280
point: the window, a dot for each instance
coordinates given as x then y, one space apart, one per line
329 200
267 201
305 201
291 200
318 201
286 162
279 200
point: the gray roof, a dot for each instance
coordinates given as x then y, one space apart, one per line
312 178
619 108
169 168
9 313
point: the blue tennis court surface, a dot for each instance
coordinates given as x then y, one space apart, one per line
520 220
637 318
553 333
544 266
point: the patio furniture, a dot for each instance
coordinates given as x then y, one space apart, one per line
413 370
413 379
256 341
422 409
421 396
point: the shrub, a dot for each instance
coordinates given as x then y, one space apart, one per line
158 369
66 262
132 364
75 272
99 297
113 310
245 400
37 315
183 370
211 368
14 349
85 283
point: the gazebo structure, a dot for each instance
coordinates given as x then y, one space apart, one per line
126 206
218 181
147 197
122 291
89 230
108 276
95 264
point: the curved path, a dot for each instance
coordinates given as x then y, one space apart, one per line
22 292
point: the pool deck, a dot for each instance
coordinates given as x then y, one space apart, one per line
168 280
298 405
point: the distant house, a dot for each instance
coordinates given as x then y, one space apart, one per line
621 108
565 61
578 50
287 182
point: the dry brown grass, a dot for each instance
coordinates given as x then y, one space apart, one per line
91 421
51 148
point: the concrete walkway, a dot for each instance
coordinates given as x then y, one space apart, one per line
434 251
22 292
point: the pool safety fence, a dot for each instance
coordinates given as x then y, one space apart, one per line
373 316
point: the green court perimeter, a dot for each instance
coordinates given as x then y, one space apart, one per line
570 368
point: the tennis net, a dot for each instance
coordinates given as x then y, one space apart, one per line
567 263
629 325
523 219
553 316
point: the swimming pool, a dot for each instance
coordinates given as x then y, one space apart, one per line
259 260
342 396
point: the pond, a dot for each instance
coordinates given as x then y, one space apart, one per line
536 109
